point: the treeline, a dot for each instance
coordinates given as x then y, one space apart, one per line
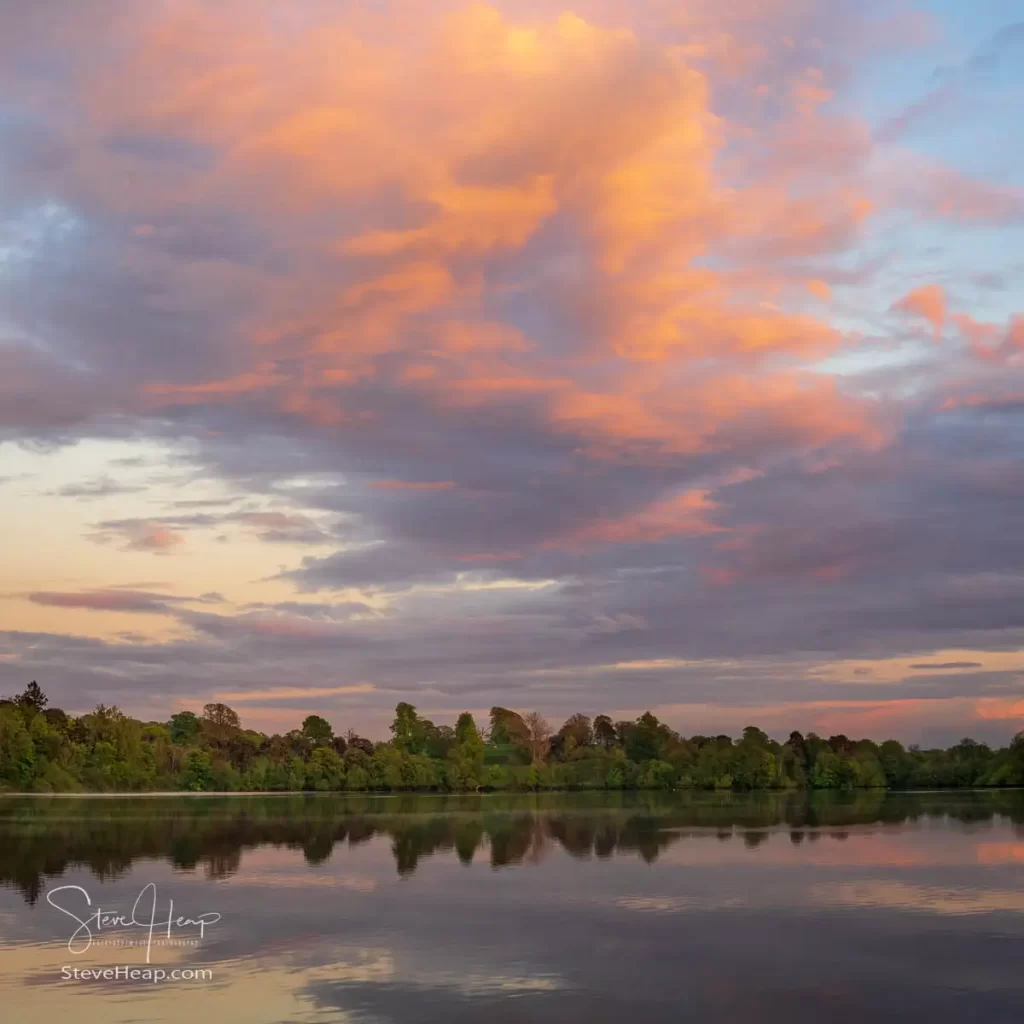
42 749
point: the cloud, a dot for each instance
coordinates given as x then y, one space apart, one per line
945 665
270 526
286 693
535 342
122 599
98 487
413 485
927 302
105 600
138 535
280 527
990 343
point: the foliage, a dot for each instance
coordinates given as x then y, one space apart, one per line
43 749
317 729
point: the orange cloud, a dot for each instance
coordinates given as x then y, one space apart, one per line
927 302
153 537
1000 853
686 514
1000 709
707 415
453 166
989 342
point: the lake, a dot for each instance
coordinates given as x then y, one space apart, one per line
592 907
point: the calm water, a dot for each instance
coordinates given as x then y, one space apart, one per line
558 908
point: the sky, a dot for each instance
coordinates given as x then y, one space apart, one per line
621 356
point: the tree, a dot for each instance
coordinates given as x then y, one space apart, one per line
465 729
754 765
198 771
325 770
841 744
317 729
357 778
604 732
439 741
643 739
508 728
408 729
57 718
896 764
467 756
106 750
221 715
32 699
184 728
386 767
540 735
657 775
243 748
754 736
357 742
17 753
578 727
801 756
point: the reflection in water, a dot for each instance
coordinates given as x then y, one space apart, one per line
778 908
41 838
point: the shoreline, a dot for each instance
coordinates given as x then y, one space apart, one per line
379 793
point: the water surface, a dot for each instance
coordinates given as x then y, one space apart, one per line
585 907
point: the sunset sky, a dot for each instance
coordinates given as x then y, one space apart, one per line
657 354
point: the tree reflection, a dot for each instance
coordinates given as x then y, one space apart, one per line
43 838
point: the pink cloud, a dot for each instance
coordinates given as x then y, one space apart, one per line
413 485
927 302
139 535
154 537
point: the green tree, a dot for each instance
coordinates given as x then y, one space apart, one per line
57 718
467 756
465 729
17 752
317 729
408 729
325 771
386 768
1009 770
643 740
896 764
184 728
577 728
657 775
198 774
826 771
32 698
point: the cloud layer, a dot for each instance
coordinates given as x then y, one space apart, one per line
532 344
